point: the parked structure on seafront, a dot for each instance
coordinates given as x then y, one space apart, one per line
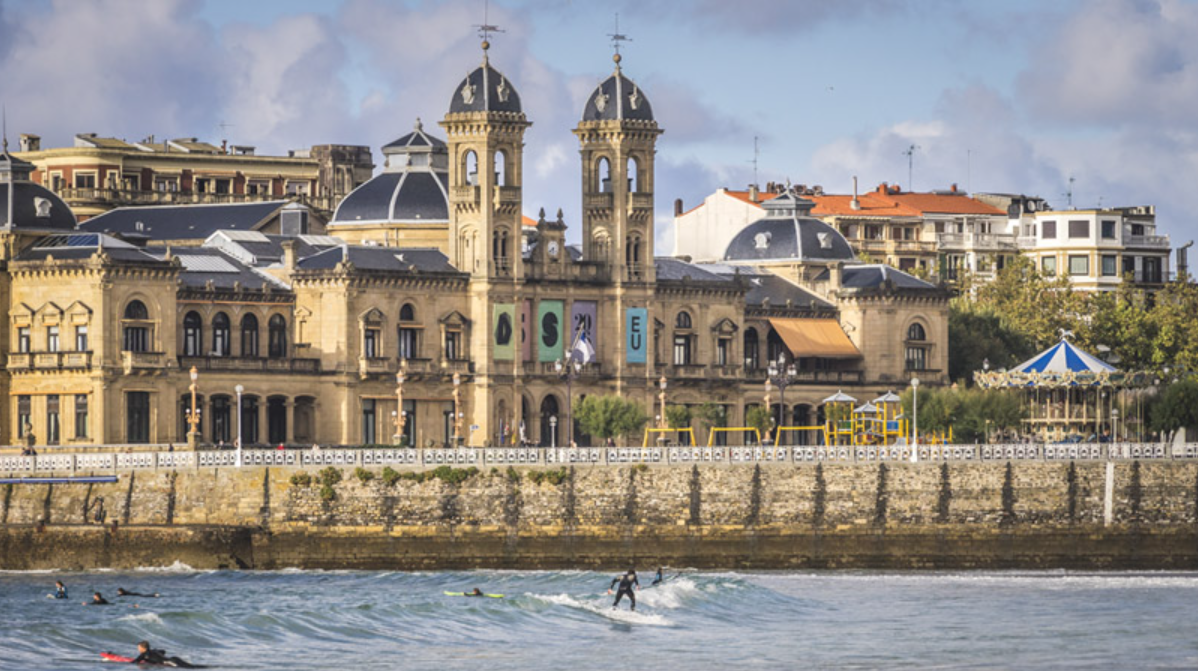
465 328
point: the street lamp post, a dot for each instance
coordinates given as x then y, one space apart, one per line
915 420
193 417
768 405
1115 428
568 369
457 404
239 389
662 397
553 431
782 377
400 418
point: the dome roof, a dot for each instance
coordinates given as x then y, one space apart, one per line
409 196
617 98
415 140
787 232
485 90
33 205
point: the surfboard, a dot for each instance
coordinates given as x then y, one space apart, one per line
493 596
113 657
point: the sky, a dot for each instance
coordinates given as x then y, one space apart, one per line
1017 96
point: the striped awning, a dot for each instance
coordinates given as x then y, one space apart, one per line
819 338
1064 357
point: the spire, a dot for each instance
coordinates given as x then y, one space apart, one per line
616 39
485 29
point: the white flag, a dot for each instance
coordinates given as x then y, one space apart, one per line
584 351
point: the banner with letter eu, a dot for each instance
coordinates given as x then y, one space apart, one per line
638 334
584 316
550 330
504 329
526 331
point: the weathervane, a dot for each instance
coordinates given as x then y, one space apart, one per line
485 29
616 39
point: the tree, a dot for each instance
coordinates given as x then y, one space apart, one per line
711 415
678 416
1035 305
977 334
1177 407
609 416
1175 331
758 417
937 408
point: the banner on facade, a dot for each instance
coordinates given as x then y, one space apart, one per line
637 329
550 330
504 330
526 331
584 316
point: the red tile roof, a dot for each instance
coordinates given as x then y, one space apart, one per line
876 204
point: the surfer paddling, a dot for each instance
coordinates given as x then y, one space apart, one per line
121 591
97 600
147 655
659 578
626 583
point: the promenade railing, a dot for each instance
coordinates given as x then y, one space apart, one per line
422 459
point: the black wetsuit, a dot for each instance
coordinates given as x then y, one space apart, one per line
144 596
658 579
99 602
159 657
61 593
626 582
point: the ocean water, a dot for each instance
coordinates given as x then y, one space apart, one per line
564 620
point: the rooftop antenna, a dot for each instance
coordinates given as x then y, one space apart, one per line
485 29
756 155
1069 193
616 38
910 154
4 113
969 170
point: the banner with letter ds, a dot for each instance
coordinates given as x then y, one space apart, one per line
526 331
551 329
638 334
504 329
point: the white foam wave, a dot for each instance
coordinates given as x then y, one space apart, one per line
177 567
669 594
142 617
604 609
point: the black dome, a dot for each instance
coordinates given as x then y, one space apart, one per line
397 196
617 98
35 207
485 90
787 232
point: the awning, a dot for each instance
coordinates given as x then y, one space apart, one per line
822 338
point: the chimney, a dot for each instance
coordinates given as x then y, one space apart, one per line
953 188
855 203
289 255
835 275
677 207
753 193
1183 266
30 142
883 188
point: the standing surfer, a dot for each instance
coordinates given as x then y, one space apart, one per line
626 583
659 578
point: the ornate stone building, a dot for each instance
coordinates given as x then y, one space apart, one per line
300 338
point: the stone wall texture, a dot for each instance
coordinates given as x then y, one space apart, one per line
897 515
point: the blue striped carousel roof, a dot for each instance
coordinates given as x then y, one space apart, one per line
1064 357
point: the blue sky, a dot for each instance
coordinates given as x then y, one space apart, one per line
1011 96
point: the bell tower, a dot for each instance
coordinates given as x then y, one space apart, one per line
618 141
485 127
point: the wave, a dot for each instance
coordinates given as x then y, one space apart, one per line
142 617
603 608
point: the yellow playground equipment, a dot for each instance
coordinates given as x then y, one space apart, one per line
686 431
877 422
838 409
725 429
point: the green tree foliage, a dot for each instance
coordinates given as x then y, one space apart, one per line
977 334
758 417
1176 408
711 415
1033 304
970 412
609 416
678 416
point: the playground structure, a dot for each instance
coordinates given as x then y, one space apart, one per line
679 433
877 422
728 429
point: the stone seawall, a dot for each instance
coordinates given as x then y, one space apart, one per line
926 515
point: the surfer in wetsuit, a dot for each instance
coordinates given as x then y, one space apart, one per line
149 656
475 592
97 600
626 583
60 590
659 578
121 591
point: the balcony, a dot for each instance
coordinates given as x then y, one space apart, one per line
76 359
451 366
119 197
21 361
975 241
507 195
416 366
465 194
694 370
1147 241
597 200
142 360
376 366
221 363
640 201
1026 242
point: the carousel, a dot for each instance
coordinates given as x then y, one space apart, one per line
1072 395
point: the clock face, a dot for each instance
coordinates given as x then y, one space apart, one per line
553 248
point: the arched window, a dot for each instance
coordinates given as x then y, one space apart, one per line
136 310
220 334
407 334
136 334
683 339
751 355
603 170
249 336
501 173
407 313
193 338
277 345
633 176
916 332
683 320
917 348
470 168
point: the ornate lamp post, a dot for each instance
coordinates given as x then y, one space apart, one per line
782 377
193 417
768 388
915 420
239 389
457 404
400 415
663 423
568 369
553 431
